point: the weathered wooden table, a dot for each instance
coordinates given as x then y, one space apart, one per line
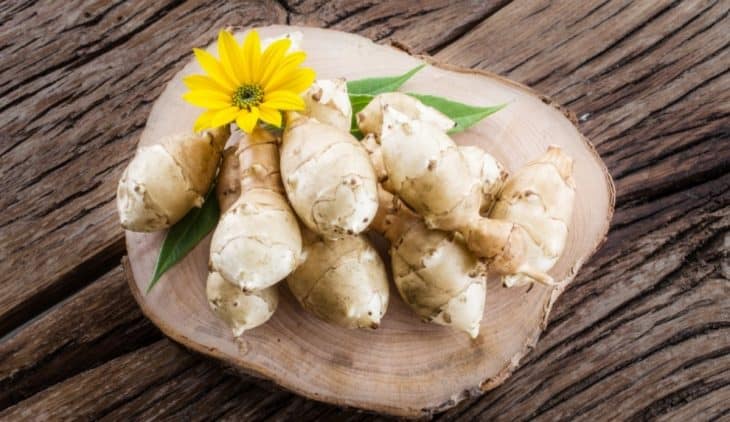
643 332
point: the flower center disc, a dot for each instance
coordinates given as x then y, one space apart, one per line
248 96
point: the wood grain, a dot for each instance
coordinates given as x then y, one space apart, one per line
647 80
99 323
420 27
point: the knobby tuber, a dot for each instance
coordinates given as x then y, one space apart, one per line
436 275
342 281
539 197
239 309
480 165
490 173
434 179
434 272
166 180
257 241
370 119
328 102
328 177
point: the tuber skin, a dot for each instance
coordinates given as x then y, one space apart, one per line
166 180
328 177
238 309
228 182
490 173
434 272
342 281
328 102
539 197
481 166
435 181
257 241
370 119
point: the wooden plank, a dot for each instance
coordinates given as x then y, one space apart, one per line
99 323
71 112
420 27
96 392
203 392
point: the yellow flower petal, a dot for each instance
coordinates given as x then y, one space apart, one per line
283 100
273 73
225 116
296 82
252 53
213 68
202 82
204 121
289 65
208 99
246 120
272 58
294 59
270 115
231 58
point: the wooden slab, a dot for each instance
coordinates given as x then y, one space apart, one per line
405 368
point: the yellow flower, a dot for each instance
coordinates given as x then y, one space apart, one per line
246 84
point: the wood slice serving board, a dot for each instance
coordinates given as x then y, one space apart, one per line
405 367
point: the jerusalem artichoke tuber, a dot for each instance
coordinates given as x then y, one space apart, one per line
370 119
228 181
434 272
327 101
481 166
328 177
257 241
240 310
539 197
490 173
435 180
342 281
166 180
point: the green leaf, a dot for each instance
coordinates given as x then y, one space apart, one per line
183 236
464 115
362 91
375 86
358 102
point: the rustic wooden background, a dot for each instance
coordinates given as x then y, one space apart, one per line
643 332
